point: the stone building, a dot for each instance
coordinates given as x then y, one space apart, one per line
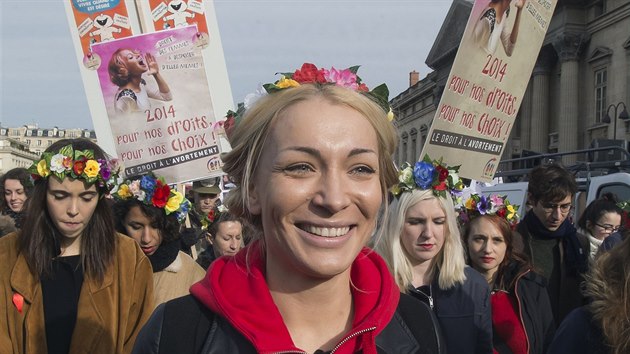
20 146
578 88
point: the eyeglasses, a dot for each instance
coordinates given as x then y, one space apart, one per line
550 208
609 228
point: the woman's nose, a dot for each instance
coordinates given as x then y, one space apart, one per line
332 193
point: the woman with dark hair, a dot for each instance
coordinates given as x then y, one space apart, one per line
70 283
601 327
16 188
522 321
225 234
600 219
150 212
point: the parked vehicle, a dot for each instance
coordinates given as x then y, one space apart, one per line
594 178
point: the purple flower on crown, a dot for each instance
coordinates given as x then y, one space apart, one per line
423 174
483 205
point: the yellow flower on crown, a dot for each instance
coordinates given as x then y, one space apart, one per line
91 168
124 192
286 82
511 211
42 169
173 202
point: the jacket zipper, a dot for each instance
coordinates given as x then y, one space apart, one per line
352 336
337 346
520 310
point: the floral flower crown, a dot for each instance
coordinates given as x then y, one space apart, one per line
477 205
154 191
77 164
429 174
310 74
212 216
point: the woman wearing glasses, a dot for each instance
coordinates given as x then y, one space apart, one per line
600 219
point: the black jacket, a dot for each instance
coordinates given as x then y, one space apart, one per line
579 334
184 326
535 310
464 313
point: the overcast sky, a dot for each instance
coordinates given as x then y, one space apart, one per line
40 81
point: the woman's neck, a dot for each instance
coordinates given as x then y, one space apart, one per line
134 83
317 313
422 273
490 276
70 246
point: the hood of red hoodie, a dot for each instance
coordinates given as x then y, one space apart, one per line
240 294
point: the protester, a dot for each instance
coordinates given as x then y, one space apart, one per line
205 195
601 218
423 249
16 188
225 235
521 314
70 283
602 325
312 164
150 212
550 240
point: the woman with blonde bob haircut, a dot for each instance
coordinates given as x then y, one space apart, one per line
312 164
424 251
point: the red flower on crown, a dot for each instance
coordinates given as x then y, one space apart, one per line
442 173
79 166
161 194
309 73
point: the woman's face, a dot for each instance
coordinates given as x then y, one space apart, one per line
486 246
140 228
317 189
424 231
605 225
228 239
133 61
14 194
70 205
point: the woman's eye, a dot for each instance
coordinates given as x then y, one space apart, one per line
300 168
439 221
363 170
59 196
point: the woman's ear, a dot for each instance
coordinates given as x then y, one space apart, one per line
589 226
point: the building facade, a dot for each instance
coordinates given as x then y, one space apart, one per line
20 146
577 90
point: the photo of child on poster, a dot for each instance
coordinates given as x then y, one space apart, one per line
493 27
485 87
159 105
127 67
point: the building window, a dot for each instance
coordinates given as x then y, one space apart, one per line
601 79
39 142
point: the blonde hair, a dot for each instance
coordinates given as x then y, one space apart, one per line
450 259
608 286
249 137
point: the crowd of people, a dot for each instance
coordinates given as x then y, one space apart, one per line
322 246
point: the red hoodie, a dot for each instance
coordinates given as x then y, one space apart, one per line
243 298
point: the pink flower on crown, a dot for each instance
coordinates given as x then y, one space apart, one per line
343 78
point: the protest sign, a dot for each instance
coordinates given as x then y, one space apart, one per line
159 106
488 79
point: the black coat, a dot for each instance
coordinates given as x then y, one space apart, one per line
184 325
464 314
578 334
535 310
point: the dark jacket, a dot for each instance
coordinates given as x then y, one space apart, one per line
185 325
564 294
232 311
463 312
578 334
535 310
